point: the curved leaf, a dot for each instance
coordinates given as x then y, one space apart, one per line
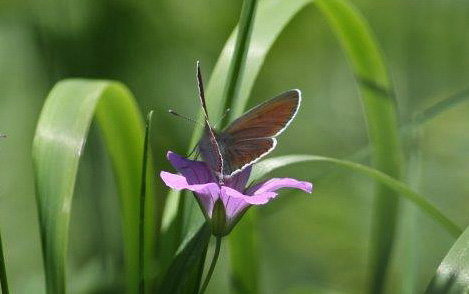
403 190
57 148
452 276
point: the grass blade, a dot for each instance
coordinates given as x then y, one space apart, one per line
452 273
403 190
58 145
143 191
376 91
238 60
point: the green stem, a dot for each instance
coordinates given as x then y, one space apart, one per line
3 272
143 188
212 266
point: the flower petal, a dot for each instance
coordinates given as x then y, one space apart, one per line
258 199
196 172
206 194
278 183
239 180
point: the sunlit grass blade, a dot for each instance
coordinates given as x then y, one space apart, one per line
402 189
143 190
57 148
379 103
184 271
453 272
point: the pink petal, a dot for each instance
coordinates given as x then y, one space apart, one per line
207 193
239 180
279 183
196 172
258 199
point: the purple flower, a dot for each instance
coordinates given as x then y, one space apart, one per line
232 194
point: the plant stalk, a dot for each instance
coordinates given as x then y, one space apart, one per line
143 187
212 265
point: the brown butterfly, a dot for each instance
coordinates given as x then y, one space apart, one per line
250 137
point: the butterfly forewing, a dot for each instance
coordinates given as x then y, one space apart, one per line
251 136
267 119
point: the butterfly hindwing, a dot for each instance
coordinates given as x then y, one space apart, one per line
243 153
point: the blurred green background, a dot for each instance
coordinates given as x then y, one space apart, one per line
308 242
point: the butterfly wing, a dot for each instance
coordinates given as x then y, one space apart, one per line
239 155
252 135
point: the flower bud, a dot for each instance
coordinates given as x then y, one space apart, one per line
219 219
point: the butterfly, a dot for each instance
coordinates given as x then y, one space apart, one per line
248 138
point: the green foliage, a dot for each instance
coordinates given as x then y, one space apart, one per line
156 37
451 276
58 145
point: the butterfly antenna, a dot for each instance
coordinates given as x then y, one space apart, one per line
182 116
200 84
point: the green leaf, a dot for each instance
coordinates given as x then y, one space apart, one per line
402 189
57 148
186 265
377 95
453 272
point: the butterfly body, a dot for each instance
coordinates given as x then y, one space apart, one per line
248 138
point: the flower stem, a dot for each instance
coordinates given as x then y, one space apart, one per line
212 265
3 272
